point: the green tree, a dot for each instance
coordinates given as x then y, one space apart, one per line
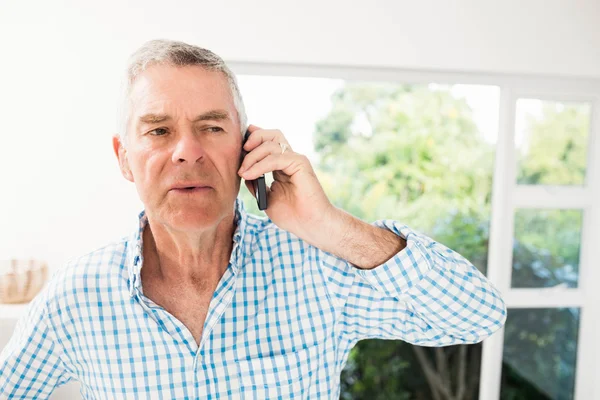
407 165
555 146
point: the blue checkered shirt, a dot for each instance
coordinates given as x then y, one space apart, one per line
281 322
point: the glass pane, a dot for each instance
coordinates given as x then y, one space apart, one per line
393 369
552 142
420 154
540 350
546 248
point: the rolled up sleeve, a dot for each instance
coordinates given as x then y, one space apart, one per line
426 294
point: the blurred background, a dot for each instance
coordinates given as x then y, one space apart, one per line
477 123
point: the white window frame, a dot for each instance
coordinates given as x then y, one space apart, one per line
508 196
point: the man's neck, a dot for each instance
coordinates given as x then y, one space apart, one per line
173 259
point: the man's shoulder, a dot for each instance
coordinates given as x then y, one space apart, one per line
100 261
102 268
264 233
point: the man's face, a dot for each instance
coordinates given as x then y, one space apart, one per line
183 127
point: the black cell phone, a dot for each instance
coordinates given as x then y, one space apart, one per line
259 184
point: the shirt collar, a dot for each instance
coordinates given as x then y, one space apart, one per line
135 258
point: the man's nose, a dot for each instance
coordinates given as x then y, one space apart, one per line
189 148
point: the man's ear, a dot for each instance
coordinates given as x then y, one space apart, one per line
121 153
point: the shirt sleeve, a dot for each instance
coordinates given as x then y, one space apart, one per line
30 364
426 294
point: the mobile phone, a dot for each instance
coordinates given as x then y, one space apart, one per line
259 184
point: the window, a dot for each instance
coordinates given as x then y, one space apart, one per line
540 353
552 142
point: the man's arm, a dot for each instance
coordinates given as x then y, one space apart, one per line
349 238
425 293
409 287
30 364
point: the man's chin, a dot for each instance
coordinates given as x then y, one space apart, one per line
193 216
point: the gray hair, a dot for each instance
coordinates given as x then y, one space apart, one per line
175 53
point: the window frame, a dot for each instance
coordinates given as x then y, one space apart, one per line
507 196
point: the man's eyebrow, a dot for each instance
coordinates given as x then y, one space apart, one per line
212 115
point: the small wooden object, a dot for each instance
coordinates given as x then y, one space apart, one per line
22 281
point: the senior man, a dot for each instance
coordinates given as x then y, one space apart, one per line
204 300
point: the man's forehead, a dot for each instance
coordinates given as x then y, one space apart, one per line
176 90
165 78
149 108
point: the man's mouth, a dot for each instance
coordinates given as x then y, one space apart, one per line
193 189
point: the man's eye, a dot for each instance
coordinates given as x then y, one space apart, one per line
158 131
215 129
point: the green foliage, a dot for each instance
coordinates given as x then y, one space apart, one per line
557 150
546 248
542 353
407 170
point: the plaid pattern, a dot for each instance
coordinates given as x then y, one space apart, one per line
281 323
